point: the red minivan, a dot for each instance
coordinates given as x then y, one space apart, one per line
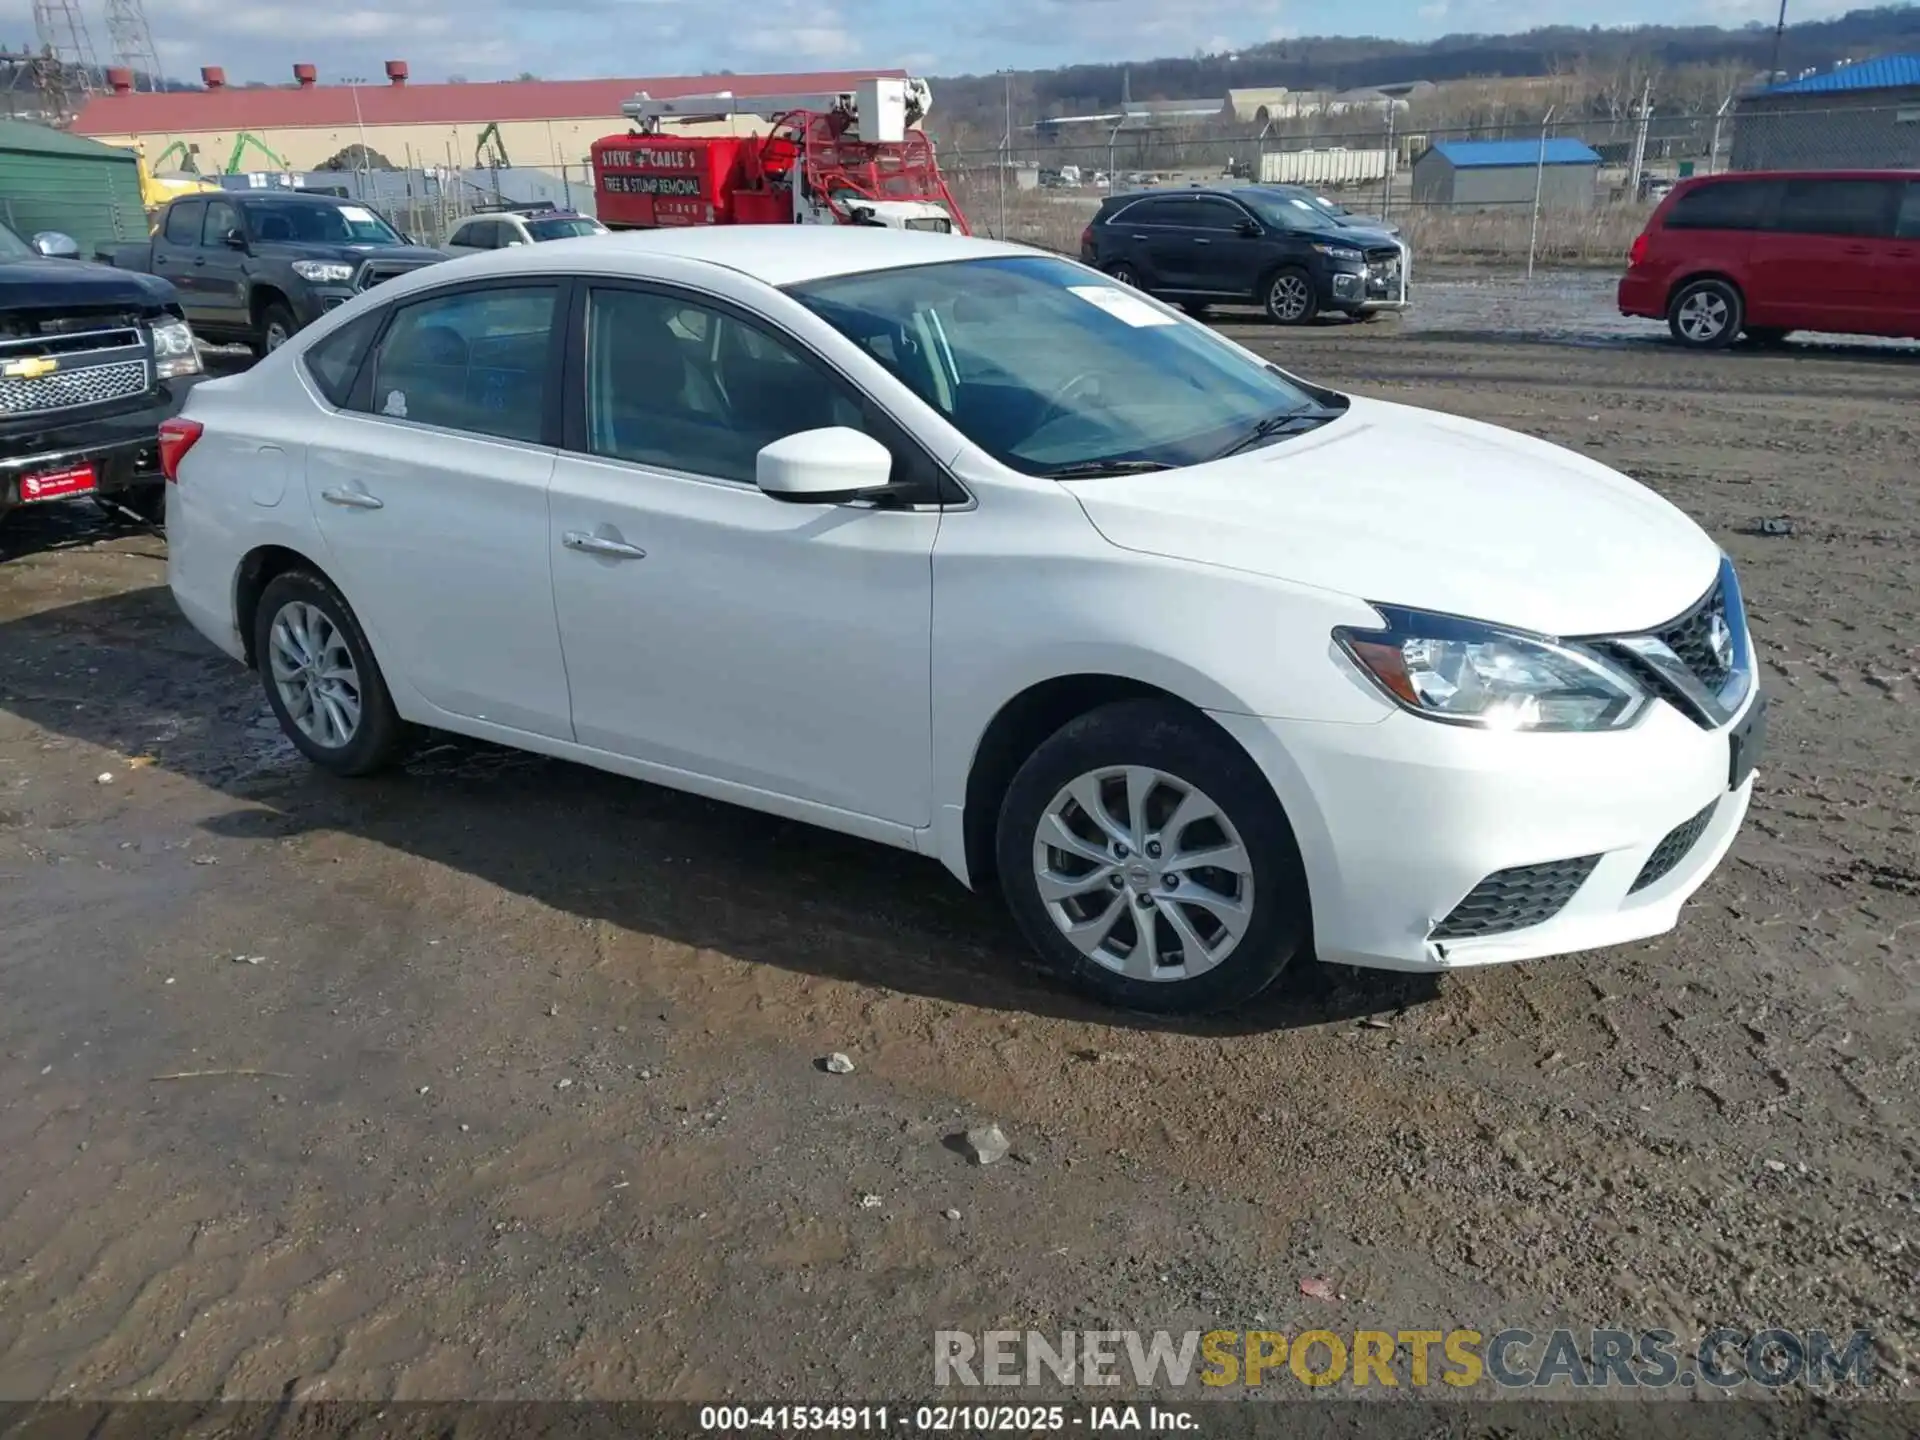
1765 253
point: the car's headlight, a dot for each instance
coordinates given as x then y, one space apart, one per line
174 353
323 272
1345 253
1465 673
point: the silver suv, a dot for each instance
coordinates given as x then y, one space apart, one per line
508 228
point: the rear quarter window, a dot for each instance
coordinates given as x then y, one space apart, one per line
1725 205
334 362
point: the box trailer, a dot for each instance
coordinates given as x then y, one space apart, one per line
1324 168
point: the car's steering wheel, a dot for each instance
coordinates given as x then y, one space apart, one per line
1057 402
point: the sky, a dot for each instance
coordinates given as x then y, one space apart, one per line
554 39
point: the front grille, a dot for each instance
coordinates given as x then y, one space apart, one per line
1691 638
375 272
1671 851
1384 255
1515 899
70 389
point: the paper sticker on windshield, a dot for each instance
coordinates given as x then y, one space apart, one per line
1122 306
354 215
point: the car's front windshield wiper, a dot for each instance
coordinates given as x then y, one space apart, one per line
1286 422
1095 469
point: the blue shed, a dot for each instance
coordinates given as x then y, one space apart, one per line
1492 174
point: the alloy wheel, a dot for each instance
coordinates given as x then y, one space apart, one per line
314 673
276 336
1290 297
1703 316
1143 873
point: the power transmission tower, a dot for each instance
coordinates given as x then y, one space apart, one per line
132 40
63 30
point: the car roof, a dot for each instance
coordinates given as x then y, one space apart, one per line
772 254
280 196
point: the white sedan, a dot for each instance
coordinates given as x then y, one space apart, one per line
963 548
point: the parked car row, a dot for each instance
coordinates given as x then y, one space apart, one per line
1280 247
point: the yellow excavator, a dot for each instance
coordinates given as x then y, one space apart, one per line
156 189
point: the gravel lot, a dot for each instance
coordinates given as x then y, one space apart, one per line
498 1077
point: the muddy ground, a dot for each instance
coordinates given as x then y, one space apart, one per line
499 1077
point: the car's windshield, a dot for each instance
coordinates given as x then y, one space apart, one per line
565 228
12 247
320 224
1048 367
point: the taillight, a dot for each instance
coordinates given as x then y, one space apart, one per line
1086 240
176 438
1639 251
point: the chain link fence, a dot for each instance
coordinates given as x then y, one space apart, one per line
1505 195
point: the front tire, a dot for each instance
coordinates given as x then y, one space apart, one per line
321 679
1145 856
277 326
1125 274
1706 315
1290 298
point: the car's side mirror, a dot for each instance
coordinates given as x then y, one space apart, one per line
1247 227
234 240
57 245
823 467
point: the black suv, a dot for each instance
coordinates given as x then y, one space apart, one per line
1248 243
255 266
91 361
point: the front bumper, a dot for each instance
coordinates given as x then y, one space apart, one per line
124 449
1399 821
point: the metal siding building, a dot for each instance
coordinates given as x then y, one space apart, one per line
545 123
54 181
1859 117
1494 174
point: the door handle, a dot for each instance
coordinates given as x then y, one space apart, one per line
599 545
353 499
1201 240
199 259
1139 237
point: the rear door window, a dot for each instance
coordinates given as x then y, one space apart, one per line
1726 205
472 360
1149 212
1859 208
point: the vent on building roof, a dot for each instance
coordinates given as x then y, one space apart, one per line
120 80
306 76
397 71
213 77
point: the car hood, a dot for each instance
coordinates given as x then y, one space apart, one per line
57 284
1410 507
349 254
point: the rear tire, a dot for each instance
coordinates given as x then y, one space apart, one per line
1125 274
321 679
1289 297
1222 926
1706 314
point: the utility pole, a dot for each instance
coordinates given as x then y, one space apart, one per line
1779 33
1539 188
1006 154
1640 140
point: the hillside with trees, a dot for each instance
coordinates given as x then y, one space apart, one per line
976 103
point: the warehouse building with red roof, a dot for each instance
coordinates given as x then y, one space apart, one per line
544 123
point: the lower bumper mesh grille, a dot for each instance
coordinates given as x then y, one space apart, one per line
1677 845
1516 899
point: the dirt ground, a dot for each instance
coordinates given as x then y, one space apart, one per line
499 1077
